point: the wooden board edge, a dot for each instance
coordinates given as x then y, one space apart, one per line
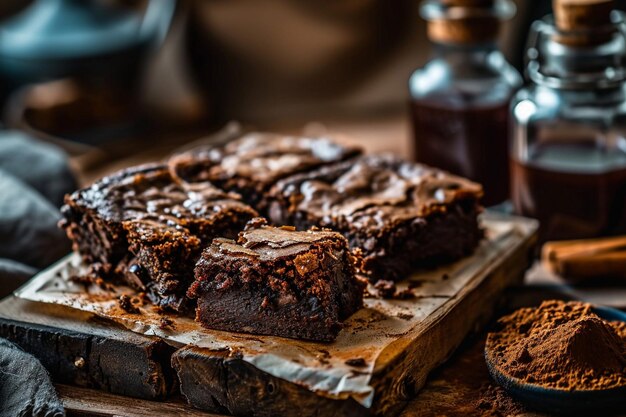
217 382
86 360
413 359
85 402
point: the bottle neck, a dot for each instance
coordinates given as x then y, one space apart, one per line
592 97
569 66
474 54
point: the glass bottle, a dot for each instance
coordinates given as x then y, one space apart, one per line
568 152
460 99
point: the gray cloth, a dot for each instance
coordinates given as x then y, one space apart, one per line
13 275
28 225
25 386
40 165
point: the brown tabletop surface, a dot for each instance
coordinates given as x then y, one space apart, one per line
461 387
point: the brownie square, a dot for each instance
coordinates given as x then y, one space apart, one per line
399 215
252 163
141 226
161 262
277 281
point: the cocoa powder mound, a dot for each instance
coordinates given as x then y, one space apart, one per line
561 345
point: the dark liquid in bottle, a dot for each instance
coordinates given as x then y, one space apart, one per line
471 142
576 191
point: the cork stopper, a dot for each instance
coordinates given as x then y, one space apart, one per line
462 21
463 31
583 22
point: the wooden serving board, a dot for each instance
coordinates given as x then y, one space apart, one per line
222 381
78 348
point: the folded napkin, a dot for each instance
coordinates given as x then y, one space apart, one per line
28 225
42 166
34 177
25 386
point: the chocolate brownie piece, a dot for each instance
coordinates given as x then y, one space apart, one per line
161 262
252 163
277 281
141 226
400 215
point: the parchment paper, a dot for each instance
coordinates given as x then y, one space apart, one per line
319 367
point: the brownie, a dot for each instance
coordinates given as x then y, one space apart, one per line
277 281
141 226
399 215
251 164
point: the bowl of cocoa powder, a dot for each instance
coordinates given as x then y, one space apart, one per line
561 357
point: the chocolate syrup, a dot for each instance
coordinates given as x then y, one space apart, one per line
575 190
470 141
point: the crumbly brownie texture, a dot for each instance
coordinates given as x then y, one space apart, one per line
400 215
277 281
143 227
251 164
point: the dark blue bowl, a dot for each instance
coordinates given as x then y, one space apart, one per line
556 401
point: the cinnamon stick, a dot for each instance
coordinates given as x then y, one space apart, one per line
583 260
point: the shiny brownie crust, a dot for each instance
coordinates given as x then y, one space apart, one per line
140 226
251 164
399 215
277 281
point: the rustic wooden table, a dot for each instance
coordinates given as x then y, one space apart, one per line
460 388
457 389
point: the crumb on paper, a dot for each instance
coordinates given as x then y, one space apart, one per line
356 362
323 356
166 322
388 290
139 299
406 294
405 316
127 305
385 289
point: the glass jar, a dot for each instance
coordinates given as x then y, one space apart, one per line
460 99
568 152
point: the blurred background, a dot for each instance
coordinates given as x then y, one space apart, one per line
146 76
